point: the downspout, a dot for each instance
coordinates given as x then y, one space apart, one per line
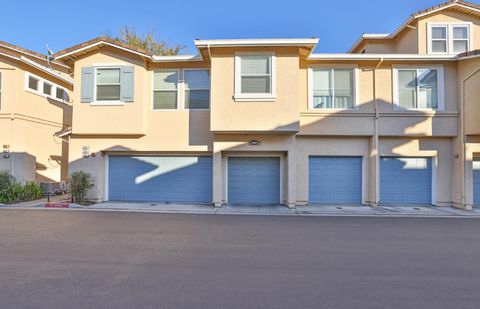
376 201
464 138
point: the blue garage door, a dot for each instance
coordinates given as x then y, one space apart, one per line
406 181
163 179
476 182
335 180
254 180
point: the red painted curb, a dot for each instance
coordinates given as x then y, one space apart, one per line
57 205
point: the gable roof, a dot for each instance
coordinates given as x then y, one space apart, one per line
53 73
96 43
381 36
14 50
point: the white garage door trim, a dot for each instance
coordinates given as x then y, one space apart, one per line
253 156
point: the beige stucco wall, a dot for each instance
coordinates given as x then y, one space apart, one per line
447 16
466 145
143 131
414 39
28 122
228 115
376 86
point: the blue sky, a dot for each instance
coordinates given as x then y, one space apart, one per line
62 25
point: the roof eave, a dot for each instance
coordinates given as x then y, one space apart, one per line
369 57
407 22
84 48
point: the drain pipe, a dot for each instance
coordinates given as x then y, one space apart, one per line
376 201
464 139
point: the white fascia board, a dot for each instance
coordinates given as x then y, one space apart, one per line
411 57
31 55
46 70
100 43
257 42
177 58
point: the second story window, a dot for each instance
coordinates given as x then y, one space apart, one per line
460 39
33 83
197 89
165 93
39 86
255 76
47 88
108 84
439 39
448 38
418 88
332 88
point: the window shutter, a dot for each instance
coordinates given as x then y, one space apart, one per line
87 85
127 84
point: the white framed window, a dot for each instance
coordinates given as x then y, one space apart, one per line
332 87
197 88
107 84
165 90
449 38
33 83
417 88
255 77
460 39
47 88
44 88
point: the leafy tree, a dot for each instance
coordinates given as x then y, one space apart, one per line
148 41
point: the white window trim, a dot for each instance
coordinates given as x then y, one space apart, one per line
356 86
179 80
441 87
105 102
185 89
248 97
449 26
39 90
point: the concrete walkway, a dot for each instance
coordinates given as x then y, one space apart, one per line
312 210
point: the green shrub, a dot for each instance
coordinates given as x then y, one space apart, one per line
80 182
12 191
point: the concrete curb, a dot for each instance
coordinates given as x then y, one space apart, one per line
215 211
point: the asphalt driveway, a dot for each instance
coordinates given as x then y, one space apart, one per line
79 259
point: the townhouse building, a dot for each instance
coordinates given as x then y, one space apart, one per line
34 106
268 121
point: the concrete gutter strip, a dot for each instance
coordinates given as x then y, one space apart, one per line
327 210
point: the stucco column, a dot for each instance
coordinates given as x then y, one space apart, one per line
374 174
468 179
291 160
217 179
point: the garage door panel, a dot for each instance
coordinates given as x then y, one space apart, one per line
254 180
335 180
476 181
406 180
167 179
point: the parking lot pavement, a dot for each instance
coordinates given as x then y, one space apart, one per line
100 259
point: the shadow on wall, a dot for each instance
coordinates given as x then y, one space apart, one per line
145 178
67 122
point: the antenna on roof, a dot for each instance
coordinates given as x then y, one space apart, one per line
49 55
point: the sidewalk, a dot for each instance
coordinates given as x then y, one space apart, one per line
312 210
